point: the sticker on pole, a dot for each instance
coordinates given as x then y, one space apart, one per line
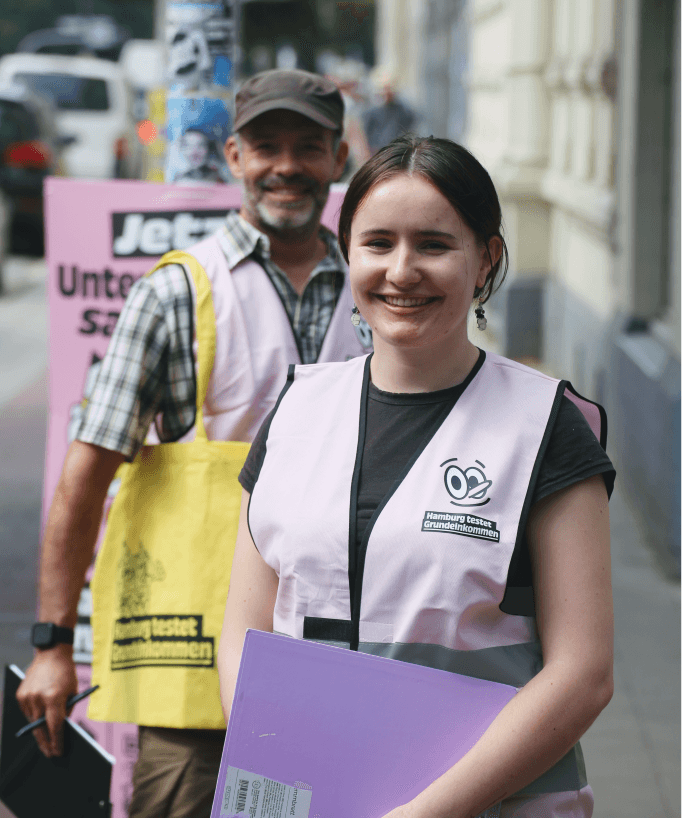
260 797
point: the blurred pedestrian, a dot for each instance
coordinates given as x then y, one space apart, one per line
350 78
280 293
436 504
391 118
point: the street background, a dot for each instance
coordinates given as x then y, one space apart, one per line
574 108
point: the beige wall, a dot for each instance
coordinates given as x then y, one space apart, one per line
399 42
668 328
542 125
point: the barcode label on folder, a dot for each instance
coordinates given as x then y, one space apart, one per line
260 797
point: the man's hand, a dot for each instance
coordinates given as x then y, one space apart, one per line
50 681
68 546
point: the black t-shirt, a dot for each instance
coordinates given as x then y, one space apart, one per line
400 424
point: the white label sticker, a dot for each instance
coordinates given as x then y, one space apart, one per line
260 797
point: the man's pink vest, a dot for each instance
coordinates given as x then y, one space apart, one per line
432 569
255 344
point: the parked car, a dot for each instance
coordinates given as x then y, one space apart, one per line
30 150
93 106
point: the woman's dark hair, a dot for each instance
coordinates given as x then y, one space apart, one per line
458 175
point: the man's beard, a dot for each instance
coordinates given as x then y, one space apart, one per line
299 221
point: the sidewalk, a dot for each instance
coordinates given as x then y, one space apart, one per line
23 326
632 751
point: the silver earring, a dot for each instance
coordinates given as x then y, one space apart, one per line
481 320
355 316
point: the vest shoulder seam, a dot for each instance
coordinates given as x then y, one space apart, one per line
508 363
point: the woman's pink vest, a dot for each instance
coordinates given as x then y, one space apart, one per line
433 565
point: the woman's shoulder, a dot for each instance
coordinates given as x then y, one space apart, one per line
492 359
573 453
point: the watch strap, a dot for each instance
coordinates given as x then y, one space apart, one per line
47 634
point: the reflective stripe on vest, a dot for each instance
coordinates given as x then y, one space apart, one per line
433 565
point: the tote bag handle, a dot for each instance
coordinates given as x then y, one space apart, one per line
205 328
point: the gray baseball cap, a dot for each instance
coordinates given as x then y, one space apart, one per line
294 90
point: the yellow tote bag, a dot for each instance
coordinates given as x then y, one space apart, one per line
162 573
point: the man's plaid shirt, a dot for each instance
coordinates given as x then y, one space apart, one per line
149 368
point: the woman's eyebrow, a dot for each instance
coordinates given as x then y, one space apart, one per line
374 231
437 233
382 231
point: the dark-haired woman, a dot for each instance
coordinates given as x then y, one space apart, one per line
472 490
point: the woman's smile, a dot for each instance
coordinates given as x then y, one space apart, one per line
403 301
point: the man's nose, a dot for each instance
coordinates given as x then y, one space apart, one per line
286 163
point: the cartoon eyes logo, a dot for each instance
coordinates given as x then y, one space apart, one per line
466 484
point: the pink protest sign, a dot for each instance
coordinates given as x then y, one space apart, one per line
101 236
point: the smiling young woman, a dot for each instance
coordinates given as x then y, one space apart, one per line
425 240
415 266
356 457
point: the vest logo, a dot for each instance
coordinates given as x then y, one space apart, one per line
466 524
467 486
153 233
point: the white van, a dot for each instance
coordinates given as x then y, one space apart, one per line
92 104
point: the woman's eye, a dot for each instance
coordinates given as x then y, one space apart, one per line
380 243
435 245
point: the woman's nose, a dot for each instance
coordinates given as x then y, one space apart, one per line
403 270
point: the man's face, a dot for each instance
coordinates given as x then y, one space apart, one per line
286 163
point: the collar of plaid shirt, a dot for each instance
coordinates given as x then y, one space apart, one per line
311 312
239 239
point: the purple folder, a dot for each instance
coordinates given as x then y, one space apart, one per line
324 732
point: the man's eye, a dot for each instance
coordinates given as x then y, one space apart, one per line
381 243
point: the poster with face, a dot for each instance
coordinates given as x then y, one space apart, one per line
200 40
197 129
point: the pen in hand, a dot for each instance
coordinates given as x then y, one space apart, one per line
69 704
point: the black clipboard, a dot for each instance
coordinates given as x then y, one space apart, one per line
75 784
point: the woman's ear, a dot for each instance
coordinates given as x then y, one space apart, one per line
495 249
492 252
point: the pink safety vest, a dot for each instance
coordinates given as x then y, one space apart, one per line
433 565
255 344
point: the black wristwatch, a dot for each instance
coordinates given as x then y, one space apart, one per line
46 635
